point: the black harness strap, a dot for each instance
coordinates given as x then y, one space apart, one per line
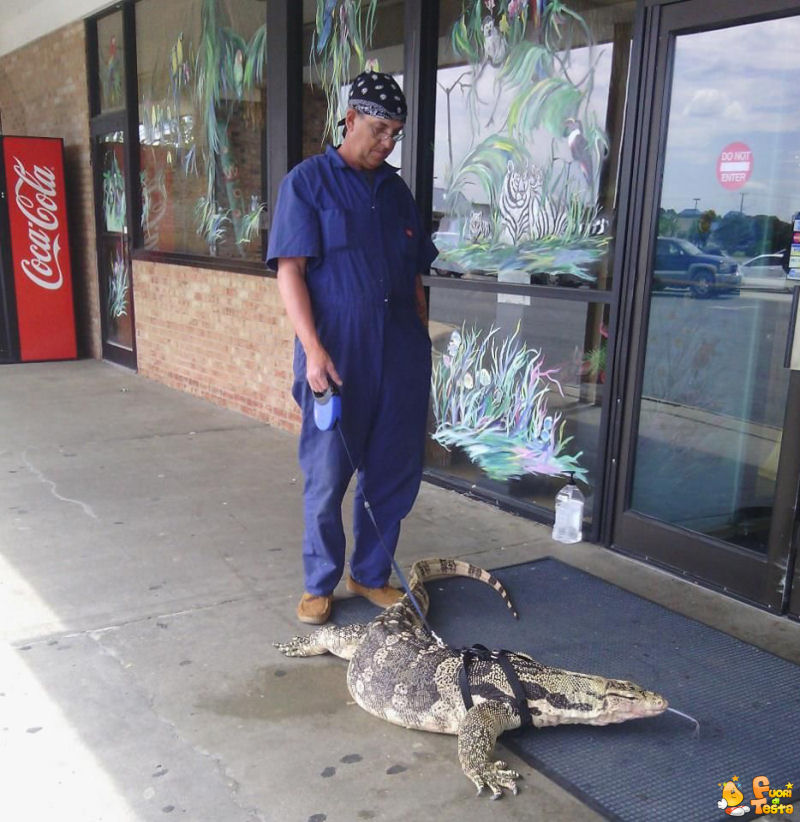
482 653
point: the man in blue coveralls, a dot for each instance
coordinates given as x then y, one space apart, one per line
349 248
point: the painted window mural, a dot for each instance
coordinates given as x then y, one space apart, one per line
201 116
113 257
522 139
111 62
342 38
529 109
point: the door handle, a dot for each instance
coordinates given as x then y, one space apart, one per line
791 358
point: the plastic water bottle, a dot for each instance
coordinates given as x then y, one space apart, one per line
568 526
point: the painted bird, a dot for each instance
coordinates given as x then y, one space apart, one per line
325 24
579 148
495 45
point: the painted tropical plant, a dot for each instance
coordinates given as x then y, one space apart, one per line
212 87
524 194
228 68
118 287
114 207
342 33
490 399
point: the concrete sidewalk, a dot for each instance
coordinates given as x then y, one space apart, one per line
149 556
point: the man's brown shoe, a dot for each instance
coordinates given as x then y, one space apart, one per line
382 597
314 609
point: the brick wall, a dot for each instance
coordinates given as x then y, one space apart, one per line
218 335
43 93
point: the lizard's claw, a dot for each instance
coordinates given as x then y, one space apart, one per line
495 776
296 646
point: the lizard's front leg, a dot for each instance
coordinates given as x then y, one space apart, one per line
477 735
335 639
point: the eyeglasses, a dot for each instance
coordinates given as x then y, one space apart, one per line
382 134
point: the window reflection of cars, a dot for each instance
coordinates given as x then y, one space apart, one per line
681 264
765 271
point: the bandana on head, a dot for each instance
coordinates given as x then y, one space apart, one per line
377 95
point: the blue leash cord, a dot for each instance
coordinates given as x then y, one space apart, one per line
401 576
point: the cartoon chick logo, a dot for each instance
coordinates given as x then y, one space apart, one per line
732 798
766 800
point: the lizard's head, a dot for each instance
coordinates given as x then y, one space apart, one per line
620 700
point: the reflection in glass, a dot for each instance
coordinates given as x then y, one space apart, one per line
340 40
201 118
516 392
714 386
524 133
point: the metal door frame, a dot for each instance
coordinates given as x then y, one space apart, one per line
125 120
764 580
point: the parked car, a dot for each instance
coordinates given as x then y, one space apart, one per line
681 264
765 271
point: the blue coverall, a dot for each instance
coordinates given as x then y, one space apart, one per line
365 245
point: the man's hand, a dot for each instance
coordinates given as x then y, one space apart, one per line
320 370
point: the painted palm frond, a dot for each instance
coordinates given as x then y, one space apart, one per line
547 104
255 58
525 62
118 287
342 34
490 398
114 207
559 23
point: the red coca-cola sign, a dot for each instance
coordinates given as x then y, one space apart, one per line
40 247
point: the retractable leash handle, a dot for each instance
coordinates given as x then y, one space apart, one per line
327 408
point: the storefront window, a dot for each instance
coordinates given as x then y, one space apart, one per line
516 392
201 123
530 103
529 106
111 62
340 40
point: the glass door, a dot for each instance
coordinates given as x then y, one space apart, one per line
110 55
113 250
706 457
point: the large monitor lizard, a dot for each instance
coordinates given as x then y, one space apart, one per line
399 672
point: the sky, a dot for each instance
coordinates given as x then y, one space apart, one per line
735 85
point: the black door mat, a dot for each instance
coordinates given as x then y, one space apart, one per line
746 700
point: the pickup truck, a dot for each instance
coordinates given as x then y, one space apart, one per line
681 264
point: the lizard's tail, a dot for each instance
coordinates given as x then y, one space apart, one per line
425 570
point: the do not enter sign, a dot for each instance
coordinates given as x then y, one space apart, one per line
734 166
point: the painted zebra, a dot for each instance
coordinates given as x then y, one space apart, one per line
480 228
514 205
527 213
